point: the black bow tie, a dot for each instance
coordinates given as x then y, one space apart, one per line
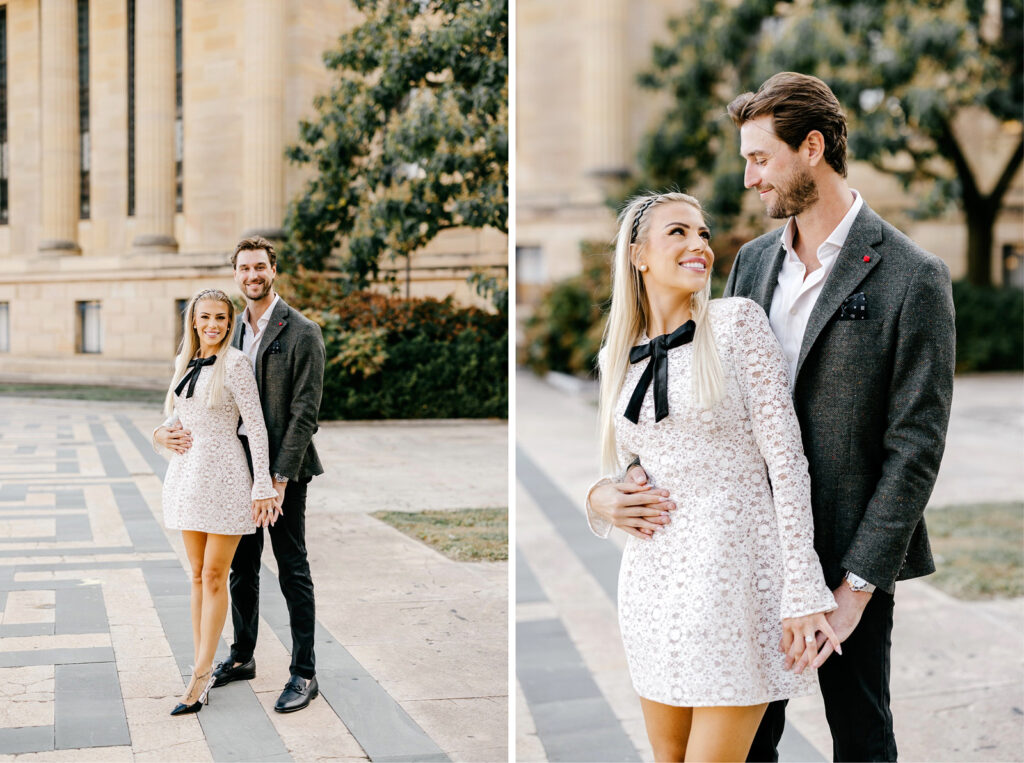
196 364
657 350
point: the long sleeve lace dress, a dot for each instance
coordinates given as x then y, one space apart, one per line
208 488
701 603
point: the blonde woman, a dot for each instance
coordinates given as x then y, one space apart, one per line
208 493
698 390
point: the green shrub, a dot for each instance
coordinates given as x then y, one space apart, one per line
392 358
989 328
564 332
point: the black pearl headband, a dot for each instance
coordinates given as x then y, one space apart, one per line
639 216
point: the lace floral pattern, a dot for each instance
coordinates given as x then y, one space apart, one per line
701 604
208 488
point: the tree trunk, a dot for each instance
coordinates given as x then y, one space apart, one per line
981 219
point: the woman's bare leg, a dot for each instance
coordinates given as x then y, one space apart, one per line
668 729
195 548
723 733
220 550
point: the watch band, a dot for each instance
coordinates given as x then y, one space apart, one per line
280 478
857 583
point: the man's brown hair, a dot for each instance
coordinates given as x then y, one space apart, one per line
798 104
255 244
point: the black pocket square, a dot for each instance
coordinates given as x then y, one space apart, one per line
275 348
854 308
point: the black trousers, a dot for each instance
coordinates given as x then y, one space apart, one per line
855 688
288 539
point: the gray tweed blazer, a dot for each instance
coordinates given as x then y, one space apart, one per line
290 377
872 395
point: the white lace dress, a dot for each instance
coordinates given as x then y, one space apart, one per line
701 604
208 488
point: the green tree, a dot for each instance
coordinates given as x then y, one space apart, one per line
903 69
412 138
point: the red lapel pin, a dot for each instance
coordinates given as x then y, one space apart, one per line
281 323
867 258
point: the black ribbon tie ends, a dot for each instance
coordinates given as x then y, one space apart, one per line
195 367
657 350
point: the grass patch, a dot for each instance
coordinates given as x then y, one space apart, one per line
465 535
979 549
83 392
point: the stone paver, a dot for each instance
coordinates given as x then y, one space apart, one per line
958 671
412 647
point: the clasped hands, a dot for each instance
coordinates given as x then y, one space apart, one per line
640 509
265 511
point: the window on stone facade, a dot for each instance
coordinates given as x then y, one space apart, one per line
131 108
83 106
4 166
531 273
1013 265
179 133
90 329
180 305
5 327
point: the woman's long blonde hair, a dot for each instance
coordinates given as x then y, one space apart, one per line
629 317
190 346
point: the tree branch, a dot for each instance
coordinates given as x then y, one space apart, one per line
995 198
948 143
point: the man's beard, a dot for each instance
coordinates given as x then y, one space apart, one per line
266 285
798 193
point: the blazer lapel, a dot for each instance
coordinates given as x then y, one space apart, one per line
278 320
768 278
850 269
237 339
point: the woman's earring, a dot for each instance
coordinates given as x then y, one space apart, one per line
642 268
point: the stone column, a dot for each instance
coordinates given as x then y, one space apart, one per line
154 126
263 119
605 76
61 152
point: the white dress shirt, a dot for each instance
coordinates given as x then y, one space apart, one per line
797 291
251 341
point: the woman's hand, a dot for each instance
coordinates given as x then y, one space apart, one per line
638 509
263 512
799 639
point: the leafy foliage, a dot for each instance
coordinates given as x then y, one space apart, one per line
412 138
903 69
391 358
564 332
988 328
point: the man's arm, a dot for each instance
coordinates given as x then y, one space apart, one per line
304 408
920 394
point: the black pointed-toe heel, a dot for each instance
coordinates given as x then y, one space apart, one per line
204 698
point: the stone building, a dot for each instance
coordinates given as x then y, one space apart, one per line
580 118
140 140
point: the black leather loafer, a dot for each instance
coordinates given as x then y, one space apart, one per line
297 694
227 672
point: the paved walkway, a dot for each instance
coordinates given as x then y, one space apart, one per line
95 636
958 671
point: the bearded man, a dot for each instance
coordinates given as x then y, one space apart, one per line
865 319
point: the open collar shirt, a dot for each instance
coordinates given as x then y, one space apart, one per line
251 341
797 291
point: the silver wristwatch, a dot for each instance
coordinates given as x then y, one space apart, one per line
280 478
858 584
